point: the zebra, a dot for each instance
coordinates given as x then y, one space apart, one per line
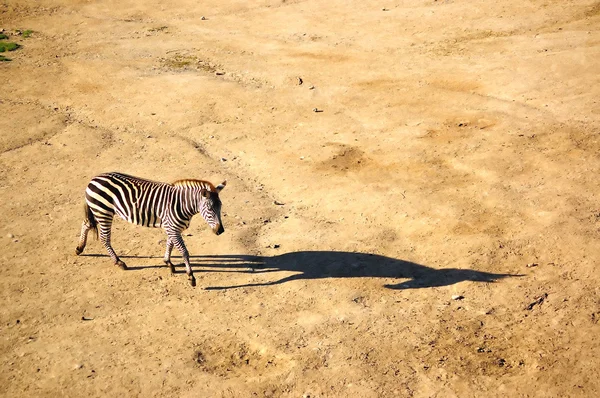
149 204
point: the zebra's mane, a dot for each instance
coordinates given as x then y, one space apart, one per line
191 183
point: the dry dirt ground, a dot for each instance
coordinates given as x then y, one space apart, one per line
455 152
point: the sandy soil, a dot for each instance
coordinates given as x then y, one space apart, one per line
455 153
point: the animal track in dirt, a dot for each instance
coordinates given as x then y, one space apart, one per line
16 135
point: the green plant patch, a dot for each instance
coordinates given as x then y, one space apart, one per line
4 59
8 46
3 36
27 33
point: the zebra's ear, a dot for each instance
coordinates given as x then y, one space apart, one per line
220 187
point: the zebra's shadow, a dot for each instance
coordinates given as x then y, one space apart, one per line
326 264
331 264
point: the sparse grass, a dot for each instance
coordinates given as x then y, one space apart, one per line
4 59
159 29
179 61
27 33
8 46
3 36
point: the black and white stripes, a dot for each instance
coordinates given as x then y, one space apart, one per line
150 204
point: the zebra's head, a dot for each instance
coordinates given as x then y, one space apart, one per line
210 208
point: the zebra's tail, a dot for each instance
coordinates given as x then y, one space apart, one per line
90 219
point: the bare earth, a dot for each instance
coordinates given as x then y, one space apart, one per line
455 152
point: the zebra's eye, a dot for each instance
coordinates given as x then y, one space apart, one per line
204 193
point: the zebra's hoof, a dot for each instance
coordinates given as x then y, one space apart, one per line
78 251
171 266
193 281
121 264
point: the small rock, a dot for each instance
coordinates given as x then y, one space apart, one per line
301 157
457 297
10 236
78 366
532 265
278 203
219 73
203 18
223 159
300 81
311 88
276 246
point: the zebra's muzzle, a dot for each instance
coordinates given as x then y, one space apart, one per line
218 229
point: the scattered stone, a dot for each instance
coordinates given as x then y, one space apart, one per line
203 18
311 88
219 73
530 265
501 362
300 81
278 203
84 318
276 246
539 300
317 110
301 157
457 297
78 366
223 159
10 236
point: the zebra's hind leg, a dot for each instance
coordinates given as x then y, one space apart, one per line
85 229
105 226
167 257
177 240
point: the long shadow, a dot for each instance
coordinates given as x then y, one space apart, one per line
328 264
331 264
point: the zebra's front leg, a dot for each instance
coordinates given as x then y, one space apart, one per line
168 255
105 239
177 240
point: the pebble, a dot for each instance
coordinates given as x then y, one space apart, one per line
278 203
532 265
223 159
10 236
457 297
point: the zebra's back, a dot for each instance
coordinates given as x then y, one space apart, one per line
136 200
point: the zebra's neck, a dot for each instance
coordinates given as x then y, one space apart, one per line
188 194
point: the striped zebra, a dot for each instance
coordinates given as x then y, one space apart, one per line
149 204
